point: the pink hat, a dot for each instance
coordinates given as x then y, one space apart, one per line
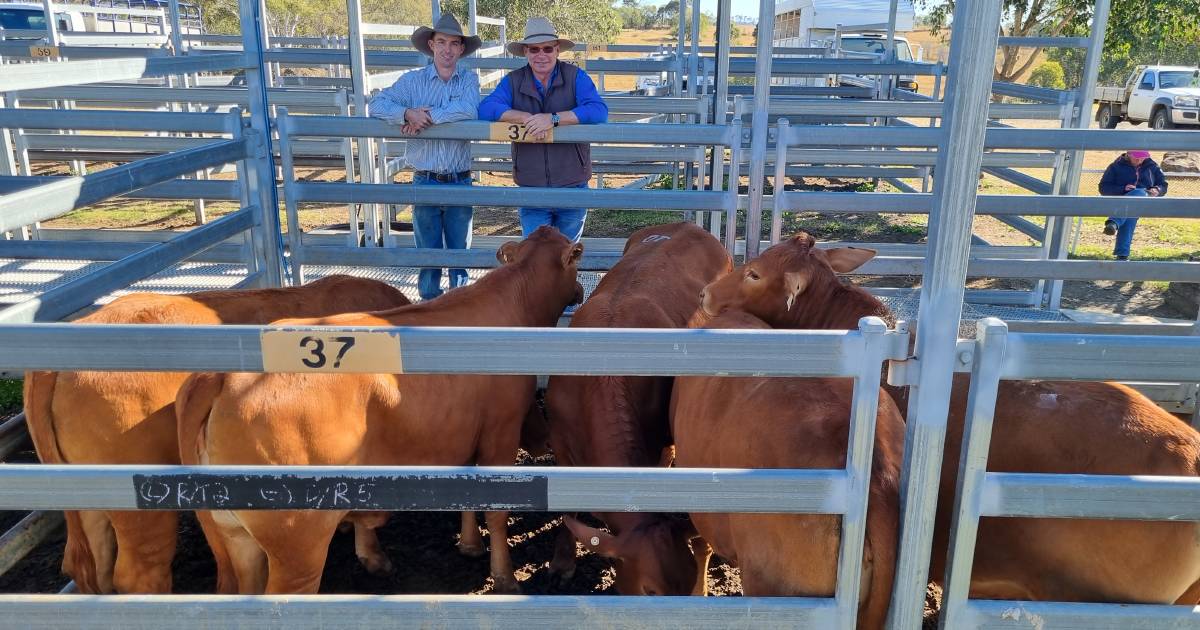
1138 154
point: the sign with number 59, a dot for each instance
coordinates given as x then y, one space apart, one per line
332 351
516 132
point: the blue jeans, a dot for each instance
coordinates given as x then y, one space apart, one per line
569 221
441 227
1126 226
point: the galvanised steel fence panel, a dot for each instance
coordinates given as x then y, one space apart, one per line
999 355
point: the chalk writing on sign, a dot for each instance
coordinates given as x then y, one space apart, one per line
398 492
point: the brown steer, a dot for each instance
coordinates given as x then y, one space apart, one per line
1041 427
129 418
790 423
374 419
623 420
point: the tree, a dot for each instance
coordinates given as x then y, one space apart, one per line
296 18
1139 31
590 21
1049 75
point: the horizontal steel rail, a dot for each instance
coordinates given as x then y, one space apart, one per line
48 201
501 612
1090 357
1055 269
446 350
103 120
165 95
68 298
1015 614
889 157
233 253
996 205
1045 42
13 435
414 257
1089 139
1028 182
862 136
782 67
51 200
43 75
436 488
1032 93
21 51
510 196
479 130
1090 496
173 189
25 536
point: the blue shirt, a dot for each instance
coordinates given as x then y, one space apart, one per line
456 99
589 109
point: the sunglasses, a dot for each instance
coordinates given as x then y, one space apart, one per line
533 50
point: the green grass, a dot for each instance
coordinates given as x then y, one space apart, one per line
10 396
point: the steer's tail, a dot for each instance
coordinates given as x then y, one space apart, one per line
193 404
78 561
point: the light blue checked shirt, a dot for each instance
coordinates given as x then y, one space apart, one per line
456 99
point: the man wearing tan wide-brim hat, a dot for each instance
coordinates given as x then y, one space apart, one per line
544 94
438 93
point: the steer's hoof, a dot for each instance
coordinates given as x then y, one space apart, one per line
505 585
378 566
471 551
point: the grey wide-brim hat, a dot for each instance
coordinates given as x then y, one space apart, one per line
446 25
539 30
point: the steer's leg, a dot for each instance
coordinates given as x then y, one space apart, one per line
562 565
227 583
103 544
296 544
366 543
505 581
498 447
246 557
470 541
145 548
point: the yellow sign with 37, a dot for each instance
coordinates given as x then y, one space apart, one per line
334 351
516 132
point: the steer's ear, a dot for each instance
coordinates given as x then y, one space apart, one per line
507 252
594 540
847 259
572 255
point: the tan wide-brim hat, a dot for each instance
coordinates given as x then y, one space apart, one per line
539 30
446 25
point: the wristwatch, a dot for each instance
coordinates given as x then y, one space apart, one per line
554 119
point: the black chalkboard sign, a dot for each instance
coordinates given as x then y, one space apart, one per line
388 493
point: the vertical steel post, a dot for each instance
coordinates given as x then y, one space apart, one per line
295 233
366 146
778 200
252 239
960 154
991 336
176 31
1082 118
260 181
51 25
735 172
472 11
758 129
859 448
720 102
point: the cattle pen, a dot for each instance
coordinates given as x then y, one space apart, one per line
231 107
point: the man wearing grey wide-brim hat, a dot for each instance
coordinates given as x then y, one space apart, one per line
543 94
438 93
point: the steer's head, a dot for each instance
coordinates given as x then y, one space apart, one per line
775 286
552 261
653 558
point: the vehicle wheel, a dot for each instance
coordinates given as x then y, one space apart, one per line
1106 119
1161 119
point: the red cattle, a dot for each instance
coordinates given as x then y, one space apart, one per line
129 418
776 422
374 419
1040 427
623 420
